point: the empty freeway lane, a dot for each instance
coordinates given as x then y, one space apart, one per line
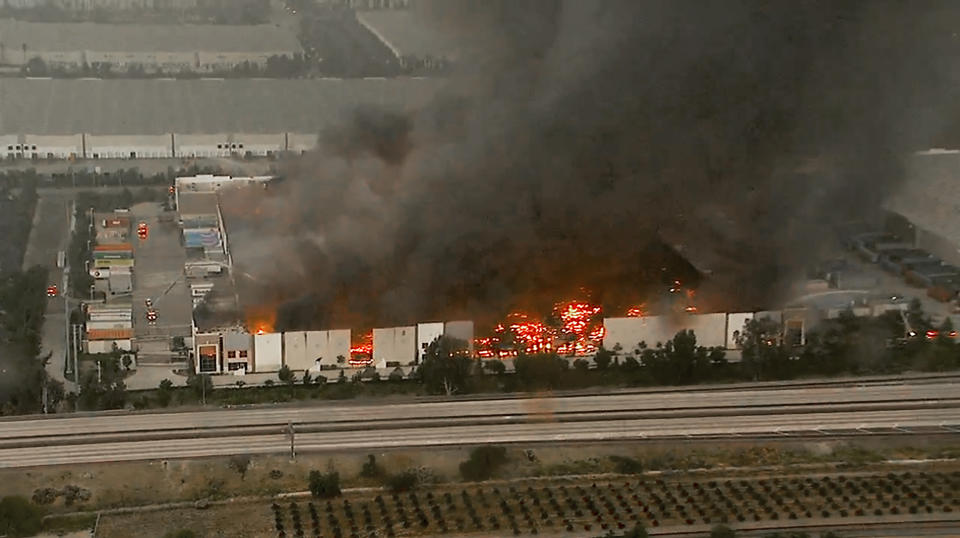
866 409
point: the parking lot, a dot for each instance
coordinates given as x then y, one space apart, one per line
893 282
159 276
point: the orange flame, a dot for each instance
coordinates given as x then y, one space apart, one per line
261 319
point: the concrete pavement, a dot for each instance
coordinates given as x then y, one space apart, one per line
808 411
372 411
49 235
384 436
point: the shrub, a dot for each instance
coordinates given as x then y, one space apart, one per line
405 481
45 495
240 463
370 468
625 465
324 485
483 462
18 517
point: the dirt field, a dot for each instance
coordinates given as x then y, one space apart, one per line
574 506
142 483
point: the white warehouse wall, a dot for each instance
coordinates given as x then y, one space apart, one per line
295 351
60 147
394 344
267 352
299 142
323 347
426 334
338 344
126 147
710 330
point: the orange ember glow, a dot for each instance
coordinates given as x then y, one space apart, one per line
261 320
576 329
361 352
638 311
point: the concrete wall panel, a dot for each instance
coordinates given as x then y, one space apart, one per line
267 352
426 334
295 350
710 330
394 344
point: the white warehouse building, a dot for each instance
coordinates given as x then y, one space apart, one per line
163 118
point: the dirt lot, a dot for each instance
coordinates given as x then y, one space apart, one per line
143 483
578 506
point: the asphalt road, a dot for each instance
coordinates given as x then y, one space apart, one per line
809 411
50 234
385 436
159 276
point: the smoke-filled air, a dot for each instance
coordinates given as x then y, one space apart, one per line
578 143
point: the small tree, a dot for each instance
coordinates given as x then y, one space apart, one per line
307 377
445 367
371 469
483 462
19 517
581 365
404 481
240 463
637 532
164 392
324 485
286 375
603 358
200 384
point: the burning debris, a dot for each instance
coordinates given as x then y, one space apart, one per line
574 328
361 351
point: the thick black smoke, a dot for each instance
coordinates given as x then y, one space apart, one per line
576 135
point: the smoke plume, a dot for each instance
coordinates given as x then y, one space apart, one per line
577 138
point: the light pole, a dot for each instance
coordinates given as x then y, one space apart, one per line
291 433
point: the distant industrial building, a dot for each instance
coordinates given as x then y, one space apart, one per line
111 118
91 5
152 48
929 200
370 4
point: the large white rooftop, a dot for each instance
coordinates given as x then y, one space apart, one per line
159 106
100 37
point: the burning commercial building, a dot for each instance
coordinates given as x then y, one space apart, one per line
617 145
